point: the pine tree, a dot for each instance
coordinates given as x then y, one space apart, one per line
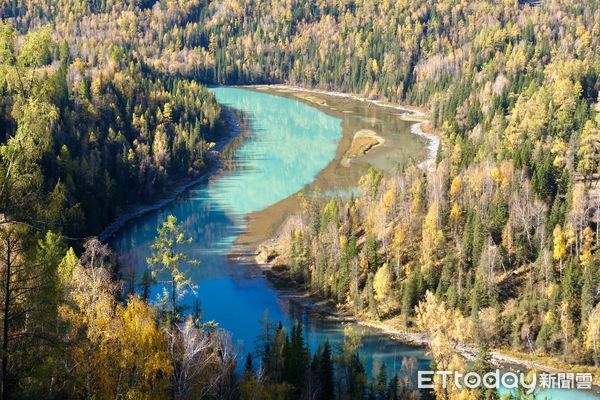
483 365
326 379
381 383
249 367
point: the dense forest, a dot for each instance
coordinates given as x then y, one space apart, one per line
501 237
88 128
111 120
102 106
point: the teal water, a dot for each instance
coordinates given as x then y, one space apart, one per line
290 143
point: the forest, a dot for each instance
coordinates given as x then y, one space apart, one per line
103 106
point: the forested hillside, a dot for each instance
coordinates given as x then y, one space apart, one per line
102 106
88 126
120 128
504 230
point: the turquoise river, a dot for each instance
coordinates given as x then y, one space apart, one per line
289 144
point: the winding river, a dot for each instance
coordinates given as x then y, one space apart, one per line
289 143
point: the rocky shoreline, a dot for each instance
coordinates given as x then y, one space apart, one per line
433 146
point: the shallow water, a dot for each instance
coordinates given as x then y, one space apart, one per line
290 143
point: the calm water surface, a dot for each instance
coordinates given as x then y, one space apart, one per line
289 144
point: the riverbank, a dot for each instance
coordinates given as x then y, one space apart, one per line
274 268
392 126
414 113
233 129
500 358
434 140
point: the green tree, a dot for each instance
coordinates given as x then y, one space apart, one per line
589 151
325 369
21 179
34 52
381 383
165 258
483 365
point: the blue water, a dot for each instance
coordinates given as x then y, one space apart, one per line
289 144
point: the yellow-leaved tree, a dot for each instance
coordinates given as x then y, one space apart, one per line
447 329
586 256
432 237
114 350
592 332
382 284
589 151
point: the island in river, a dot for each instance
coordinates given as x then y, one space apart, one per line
397 146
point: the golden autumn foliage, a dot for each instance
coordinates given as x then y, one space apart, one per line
447 329
432 236
382 284
103 106
561 243
118 350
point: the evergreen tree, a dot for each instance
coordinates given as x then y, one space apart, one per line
325 373
483 365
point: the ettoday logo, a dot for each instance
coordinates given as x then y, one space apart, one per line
497 379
